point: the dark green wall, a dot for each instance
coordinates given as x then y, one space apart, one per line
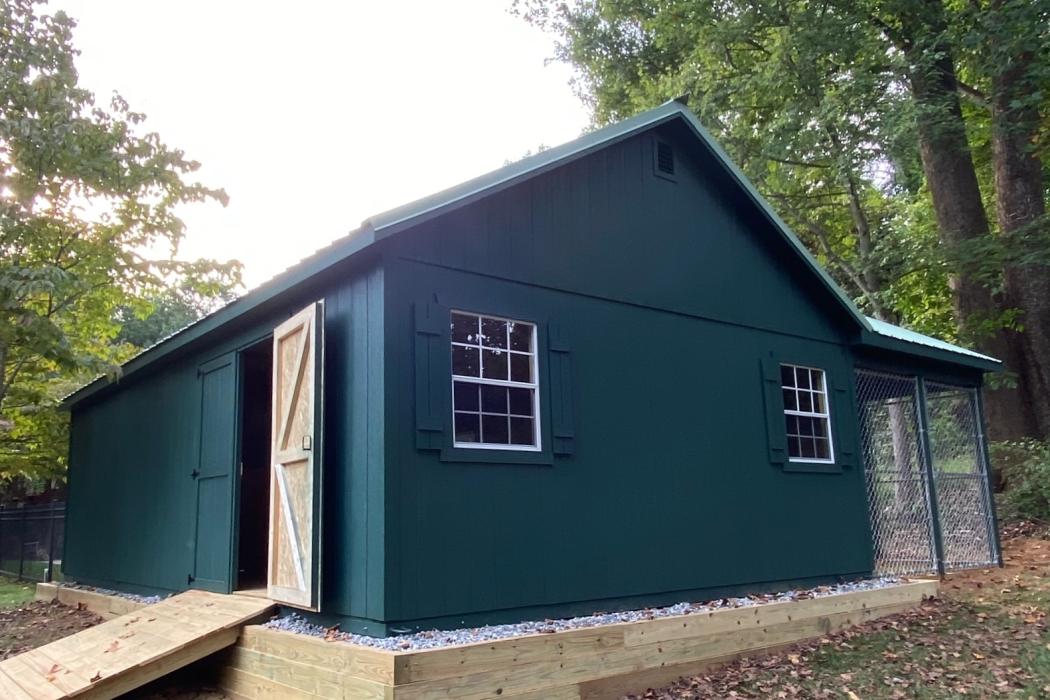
670 294
662 298
132 516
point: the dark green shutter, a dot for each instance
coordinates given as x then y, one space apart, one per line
433 373
559 358
845 424
776 436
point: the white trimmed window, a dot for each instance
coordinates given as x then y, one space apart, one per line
495 386
806 414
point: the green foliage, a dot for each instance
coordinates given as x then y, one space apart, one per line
1024 467
168 312
812 101
804 98
86 198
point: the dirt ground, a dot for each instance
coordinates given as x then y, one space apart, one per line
986 636
36 623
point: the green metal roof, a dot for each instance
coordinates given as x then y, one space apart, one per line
388 223
889 330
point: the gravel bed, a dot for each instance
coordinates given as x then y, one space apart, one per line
144 599
432 639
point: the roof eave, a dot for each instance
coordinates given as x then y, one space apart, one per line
355 241
395 220
881 342
774 219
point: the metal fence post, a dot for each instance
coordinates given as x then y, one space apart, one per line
22 545
993 516
48 573
927 461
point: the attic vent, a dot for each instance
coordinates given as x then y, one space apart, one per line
663 160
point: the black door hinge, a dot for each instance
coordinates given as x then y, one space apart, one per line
190 579
195 473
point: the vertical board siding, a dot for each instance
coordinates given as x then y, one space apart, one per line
671 296
132 517
669 488
605 226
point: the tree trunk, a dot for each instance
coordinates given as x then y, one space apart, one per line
956 194
1021 206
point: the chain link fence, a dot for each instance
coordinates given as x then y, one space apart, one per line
898 488
960 476
913 433
31 541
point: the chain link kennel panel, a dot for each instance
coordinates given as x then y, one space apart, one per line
960 476
898 488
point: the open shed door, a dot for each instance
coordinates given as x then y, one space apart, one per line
295 479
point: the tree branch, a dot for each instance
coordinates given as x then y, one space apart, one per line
973 95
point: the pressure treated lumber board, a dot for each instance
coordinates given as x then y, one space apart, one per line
618 639
105 606
599 663
131 650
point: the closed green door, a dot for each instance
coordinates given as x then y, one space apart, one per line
214 476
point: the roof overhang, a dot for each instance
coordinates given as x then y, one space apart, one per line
393 221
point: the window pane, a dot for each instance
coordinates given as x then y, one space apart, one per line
823 449
520 368
467 427
818 403
522 431
804 401
802 378
805 426
493 333
465 396
464 361
820 427
794 447
790 402
521 402
521 336
818 379
792 425
787 375
464 328
809 451
494 430
494 364
493 399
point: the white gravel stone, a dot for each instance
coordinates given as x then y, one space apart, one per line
432 639
144 599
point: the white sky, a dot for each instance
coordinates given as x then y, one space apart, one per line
315 115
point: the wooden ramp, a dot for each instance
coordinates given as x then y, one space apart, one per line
131 650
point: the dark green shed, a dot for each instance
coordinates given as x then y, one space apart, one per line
605 376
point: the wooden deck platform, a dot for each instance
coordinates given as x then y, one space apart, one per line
600 663
129 650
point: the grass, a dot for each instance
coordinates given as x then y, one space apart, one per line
14 593
31 569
